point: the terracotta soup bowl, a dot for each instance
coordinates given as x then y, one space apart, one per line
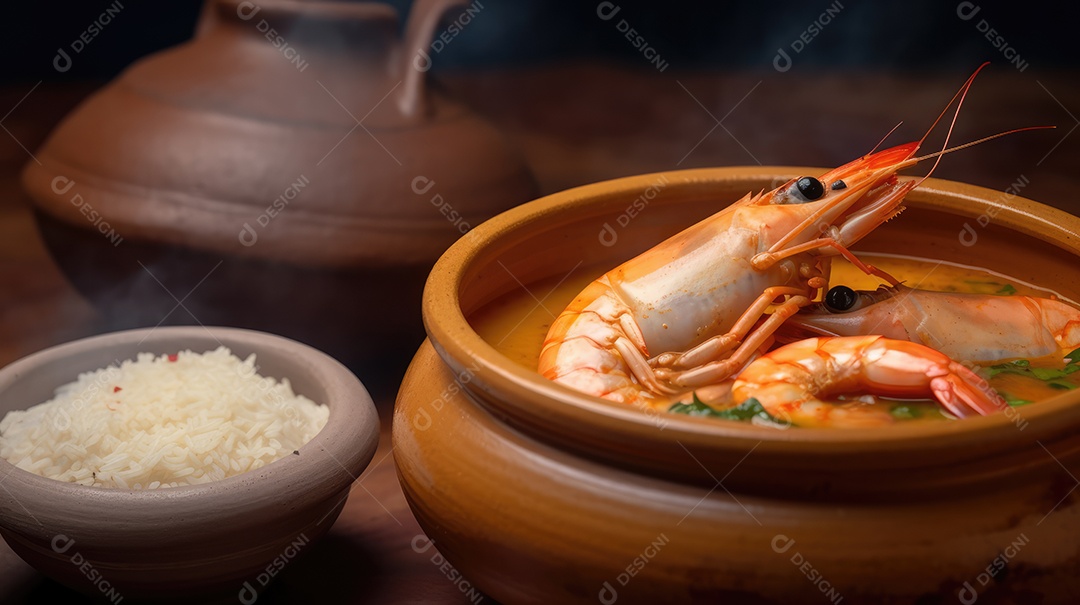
220 539
539 494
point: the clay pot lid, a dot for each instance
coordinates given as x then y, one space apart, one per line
318 146
300 64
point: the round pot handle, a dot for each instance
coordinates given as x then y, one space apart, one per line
424 17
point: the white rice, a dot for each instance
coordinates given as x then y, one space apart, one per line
162 422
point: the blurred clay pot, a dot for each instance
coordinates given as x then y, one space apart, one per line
539 494
288 137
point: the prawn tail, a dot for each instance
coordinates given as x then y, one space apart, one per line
586 347
590 367
963 393
619 387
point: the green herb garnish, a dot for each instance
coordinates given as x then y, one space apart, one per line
982 286
697 408
1006 290
746 411
1051 376
1015 401
1048 374
905 412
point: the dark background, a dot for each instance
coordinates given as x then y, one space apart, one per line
883 36
582 104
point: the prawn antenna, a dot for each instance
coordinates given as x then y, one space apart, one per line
937 154
958 98
962 93
887 135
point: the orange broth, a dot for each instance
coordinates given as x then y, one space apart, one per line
517 323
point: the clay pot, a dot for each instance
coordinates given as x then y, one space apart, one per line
299 135
539 494
186 543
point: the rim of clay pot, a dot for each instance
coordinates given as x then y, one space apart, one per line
618 431
347 442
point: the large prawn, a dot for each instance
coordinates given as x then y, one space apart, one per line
701 297
697 295
919 338
792 382
1009 327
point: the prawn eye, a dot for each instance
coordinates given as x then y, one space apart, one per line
811 188
840 298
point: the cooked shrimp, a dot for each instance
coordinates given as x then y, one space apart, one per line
792 381
699 294
977 328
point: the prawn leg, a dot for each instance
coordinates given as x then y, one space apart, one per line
767 259
639 367
714 348
719 370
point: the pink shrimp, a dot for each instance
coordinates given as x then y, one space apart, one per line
791 381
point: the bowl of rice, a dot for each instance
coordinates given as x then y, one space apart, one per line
176 461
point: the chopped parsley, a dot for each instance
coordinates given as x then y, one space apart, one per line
750 410
1015 401
1053 377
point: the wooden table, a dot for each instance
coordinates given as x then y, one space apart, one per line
576 123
